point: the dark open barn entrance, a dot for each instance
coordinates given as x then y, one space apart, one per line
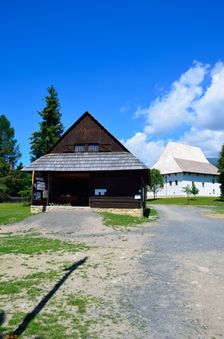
69 189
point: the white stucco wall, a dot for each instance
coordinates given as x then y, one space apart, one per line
180 180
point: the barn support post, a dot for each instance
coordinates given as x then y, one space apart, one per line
48 189
32 187
143 196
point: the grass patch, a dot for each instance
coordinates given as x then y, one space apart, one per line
34 244
13 212
55 324
125 220
220 210
215 203
45 325
28 283
208 201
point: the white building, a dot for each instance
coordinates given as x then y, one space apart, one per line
181 165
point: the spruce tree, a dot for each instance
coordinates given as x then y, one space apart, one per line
51 127
9 149
221 171
194 190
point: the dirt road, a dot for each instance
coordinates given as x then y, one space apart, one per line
161 280
181 294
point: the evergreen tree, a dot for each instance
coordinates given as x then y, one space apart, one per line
194 190
221 171
51 127
18 183
9 149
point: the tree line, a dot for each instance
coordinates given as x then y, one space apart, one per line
15 183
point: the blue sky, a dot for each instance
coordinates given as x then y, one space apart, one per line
149 71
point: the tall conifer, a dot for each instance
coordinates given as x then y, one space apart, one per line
9 149
51 127
221 171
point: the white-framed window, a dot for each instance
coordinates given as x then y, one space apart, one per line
93 148
79 148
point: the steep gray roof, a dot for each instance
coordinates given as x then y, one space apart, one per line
78 162
196 166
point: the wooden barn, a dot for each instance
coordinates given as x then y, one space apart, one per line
88 166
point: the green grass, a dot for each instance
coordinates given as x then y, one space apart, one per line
219 209
13 212
45 325
125 220
34 244
29 283
215 203
55 324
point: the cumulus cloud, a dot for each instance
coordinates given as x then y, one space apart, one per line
209 109
209 140
174 108
146 150
196 101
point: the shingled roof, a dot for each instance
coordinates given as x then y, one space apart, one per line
177 158
79 162
196 167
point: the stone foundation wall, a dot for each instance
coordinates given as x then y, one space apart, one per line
37 209
136 212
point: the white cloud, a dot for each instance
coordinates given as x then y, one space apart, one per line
188 103
147 151
174 108
209 140
209 109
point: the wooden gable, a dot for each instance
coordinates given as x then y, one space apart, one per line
87 130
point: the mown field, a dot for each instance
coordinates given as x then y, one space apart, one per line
215 203
13 212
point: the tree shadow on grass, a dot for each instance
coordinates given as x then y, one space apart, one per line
30 316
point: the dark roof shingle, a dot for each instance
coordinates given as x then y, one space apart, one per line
78 162
196 166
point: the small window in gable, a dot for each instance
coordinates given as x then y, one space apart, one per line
79 148
93 148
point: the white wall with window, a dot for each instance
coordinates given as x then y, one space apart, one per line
181 165
174 183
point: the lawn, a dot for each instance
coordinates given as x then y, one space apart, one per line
32 243
30 288
13 212
126 220
215 203
40 282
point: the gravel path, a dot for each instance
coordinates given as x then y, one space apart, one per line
167 275
181 277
